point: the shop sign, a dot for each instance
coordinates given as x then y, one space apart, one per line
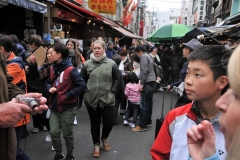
103 6
79 1
201 10
29 25
68 16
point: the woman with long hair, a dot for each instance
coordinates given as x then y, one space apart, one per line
77 61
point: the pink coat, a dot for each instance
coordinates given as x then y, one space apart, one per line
132 92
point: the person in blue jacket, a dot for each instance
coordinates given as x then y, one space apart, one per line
110 51
188 48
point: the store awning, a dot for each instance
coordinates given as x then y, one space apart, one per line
120 29
100 18
29 4
215 29
82 9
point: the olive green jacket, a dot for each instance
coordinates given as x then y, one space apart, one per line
102 82
8 144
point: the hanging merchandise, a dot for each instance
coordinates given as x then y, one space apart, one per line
103 6
127 12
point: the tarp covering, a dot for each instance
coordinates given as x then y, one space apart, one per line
29 4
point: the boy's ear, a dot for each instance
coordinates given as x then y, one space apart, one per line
222 82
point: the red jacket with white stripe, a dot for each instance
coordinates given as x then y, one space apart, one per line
171 142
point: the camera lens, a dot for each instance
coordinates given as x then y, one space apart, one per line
33 104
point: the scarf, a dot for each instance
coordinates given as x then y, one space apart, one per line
97 59
157 57
121 66
59 67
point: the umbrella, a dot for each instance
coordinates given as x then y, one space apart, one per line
169 32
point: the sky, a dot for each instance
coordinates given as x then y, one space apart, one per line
163 5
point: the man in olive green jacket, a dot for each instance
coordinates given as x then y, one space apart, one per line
11 111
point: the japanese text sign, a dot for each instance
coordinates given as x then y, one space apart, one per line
201 10
103 6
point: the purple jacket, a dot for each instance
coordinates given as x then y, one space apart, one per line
132 92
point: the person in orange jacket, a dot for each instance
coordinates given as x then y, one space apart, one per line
15 67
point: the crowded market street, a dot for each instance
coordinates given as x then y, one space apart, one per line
125 144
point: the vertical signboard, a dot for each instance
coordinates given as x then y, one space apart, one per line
201 10
103 6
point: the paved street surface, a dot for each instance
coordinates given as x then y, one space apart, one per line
125 144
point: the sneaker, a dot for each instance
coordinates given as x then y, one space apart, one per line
125 123
122 112
70 157
96 152
106 145
59 157
123 117
35 130
149 125
75 120
48 138
139 129
132 125
45 128
52 149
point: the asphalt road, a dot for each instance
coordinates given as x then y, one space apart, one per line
125 144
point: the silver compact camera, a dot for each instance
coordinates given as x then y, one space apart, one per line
176 92
31 102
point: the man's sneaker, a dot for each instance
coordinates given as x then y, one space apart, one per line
35 130
70 157
75 120
149 125
48 138
106 145
59 157
52 149
96 151
122 112
45 128
139 129
132 125
125 123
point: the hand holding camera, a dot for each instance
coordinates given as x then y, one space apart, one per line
35 102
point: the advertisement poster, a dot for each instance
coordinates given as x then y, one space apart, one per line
103 6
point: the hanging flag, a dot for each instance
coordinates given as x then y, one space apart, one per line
128 10
103 6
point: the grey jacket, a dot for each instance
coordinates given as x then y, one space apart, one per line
147 73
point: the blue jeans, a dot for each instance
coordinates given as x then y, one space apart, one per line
20 133
146 104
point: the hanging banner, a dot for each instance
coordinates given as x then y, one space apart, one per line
103 6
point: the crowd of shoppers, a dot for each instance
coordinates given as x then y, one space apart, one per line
117 82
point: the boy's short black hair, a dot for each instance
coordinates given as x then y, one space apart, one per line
117 59
132 78
7 43
140 48
61 48
216 57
